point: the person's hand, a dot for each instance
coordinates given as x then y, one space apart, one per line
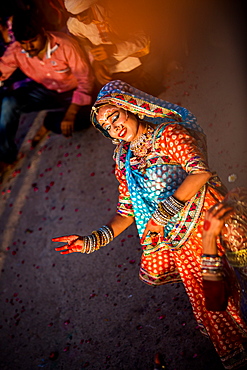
154 230
67 127
74 243
101 73
215 218
102 52
68 122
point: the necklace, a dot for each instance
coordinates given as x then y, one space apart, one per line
143 143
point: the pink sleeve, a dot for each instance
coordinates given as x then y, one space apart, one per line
81 69
8 62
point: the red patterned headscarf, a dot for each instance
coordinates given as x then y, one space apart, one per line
147 107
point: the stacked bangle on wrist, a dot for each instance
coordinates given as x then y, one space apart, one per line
166 210
212 265
98 238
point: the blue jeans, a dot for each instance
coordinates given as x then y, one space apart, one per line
34 97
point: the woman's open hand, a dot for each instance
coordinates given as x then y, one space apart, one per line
75 243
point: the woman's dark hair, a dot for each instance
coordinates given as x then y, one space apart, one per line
4 20
26 26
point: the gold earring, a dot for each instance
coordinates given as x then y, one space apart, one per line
140 115
115 141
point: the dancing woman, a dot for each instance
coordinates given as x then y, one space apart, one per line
165 186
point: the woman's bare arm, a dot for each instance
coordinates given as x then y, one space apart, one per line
75 243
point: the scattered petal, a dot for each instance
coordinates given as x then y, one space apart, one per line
47 189
132 261
28 231
232 177
53 355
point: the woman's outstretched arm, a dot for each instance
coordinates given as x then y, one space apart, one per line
76 243
120 223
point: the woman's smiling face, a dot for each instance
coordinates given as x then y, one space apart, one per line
119 123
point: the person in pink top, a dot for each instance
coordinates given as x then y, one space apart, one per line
60 78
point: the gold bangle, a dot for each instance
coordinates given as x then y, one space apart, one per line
98 244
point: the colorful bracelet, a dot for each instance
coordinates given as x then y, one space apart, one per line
166 210
98 238
211 265
210 256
